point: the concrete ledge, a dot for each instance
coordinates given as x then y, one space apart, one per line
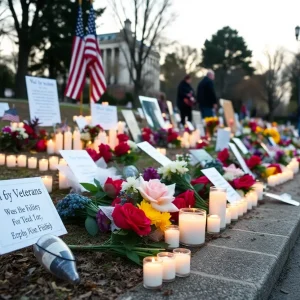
245 262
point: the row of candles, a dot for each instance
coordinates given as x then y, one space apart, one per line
190 140
193 224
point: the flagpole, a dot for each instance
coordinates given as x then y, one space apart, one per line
91 85
81 95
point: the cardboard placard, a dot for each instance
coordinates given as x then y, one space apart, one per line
104 115
26 213
132 124
229 115
43 100
172 115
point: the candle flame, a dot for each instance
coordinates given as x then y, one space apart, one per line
153 259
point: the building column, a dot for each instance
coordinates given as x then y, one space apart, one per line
113 65
104 57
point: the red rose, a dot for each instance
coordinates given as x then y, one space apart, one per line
113 187
122 137
146 137
201 145
41 146
253 161
244 182
105 152
179 203
200 180
130 217
93 154
183 200
116 201
172 135
223 156
147 130
28 129
277 166
122 149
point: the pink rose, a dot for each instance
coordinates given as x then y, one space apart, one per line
158 194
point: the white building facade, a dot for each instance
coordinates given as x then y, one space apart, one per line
114 53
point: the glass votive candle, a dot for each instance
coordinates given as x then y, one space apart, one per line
11 161
234 211
169 266
48 181
228 216
192 223
63 181
183 262
22 161
259 188
2 159
32 163
53 162
172 236
213 224
43 164
217 204
152 272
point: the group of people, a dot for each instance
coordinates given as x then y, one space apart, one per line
205 98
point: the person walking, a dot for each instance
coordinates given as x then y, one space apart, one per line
185 99
206 95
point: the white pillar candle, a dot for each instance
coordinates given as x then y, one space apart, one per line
183 262
47 180
163 151
32 163
53 162
112 138
240 208
192 223
245 205
217 204
11 161
68 140
88 120
172 236
63 182
62 162
152 272
77 144
234 211
22 161
58 142
121 126
103 138
2 159
74 118
252 197
249 203
50 147
213 224
228 216
21 125
14 125
259 188
43 164
169 266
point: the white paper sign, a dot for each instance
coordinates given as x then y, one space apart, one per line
81 164
263 145
141 113
295 133
223 138
190 126
151 151
104 115
284 198
201 155
218 180
240 159
132 124
241 145
26 213
81 122
3 108
272 142
196 117
43 100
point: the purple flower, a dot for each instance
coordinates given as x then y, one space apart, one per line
150 173
279 155
6 129
103 221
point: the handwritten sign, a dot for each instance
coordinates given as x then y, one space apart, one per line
43 100
104 115
241 145
132 124
286 198
151 151
3 108
81 164
218 180
26 213
201 155
223 138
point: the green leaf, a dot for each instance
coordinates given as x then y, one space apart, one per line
98 185
162 245
133 256
131 240
198 187
90 187
91 226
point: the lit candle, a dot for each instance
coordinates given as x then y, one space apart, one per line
163 151
47 180
97 143
14 125
32 163
21 161
249 202
152 272
252 196
58 142
62 162
74 118
234 211
213 224
53 162
121 126
240 205
11 161
104 103
228 216
112 138
103 138
259 188
169 266
172 236
245 205
192 222
77 144
68 140
21 125
217 204
63 181
88 120
43 164
50 147
2 159
183 262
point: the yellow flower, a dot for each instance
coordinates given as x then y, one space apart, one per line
258 129
158 219
270 171
274 124
272 132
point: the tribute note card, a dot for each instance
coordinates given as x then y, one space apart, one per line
26 213
241 145
104 115
201 155
132 124
223 138
286 198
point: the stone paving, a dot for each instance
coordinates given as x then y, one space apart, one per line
246 262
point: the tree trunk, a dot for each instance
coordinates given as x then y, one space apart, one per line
136 93
22 70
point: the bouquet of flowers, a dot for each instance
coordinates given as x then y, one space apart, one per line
255 164
272 132
211 124
224 157
147 135
13 139
89 133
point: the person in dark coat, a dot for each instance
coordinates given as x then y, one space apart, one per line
185 99
206 95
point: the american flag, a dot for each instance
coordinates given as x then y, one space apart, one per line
94 59
78 63
11 115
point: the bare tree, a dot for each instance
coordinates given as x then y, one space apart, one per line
150 19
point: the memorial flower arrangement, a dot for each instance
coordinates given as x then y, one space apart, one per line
272 132
255 164
211 124
89 133
244 184
13 139
147 135
224 157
